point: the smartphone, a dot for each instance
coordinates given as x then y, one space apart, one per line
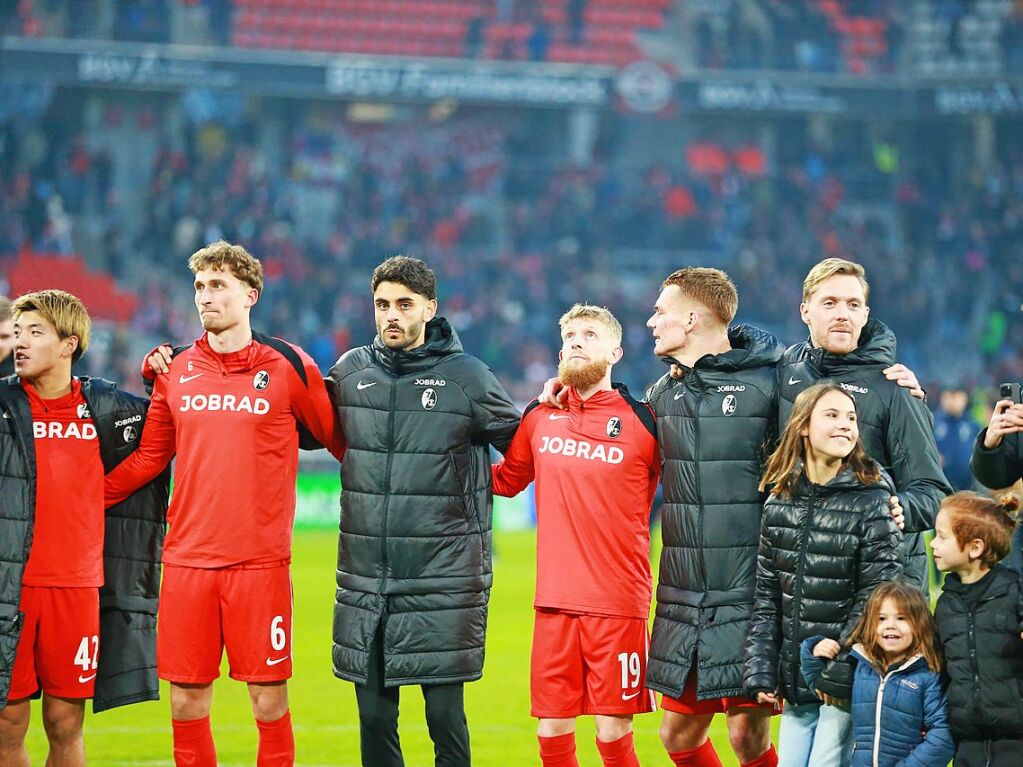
1010 391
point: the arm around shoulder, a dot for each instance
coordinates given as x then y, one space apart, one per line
495 417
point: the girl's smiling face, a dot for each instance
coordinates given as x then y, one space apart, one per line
894 633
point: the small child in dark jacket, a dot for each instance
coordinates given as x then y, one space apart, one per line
898 705
978 617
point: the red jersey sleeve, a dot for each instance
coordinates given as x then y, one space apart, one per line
155 450
313 408
513 475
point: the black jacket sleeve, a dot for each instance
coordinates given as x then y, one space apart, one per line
763 642
495 417
880 559
1000 466
916 464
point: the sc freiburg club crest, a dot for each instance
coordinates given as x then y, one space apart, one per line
728 405
614 426
129 433
429 399
261 380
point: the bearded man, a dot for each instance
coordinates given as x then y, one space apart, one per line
414 554
596 466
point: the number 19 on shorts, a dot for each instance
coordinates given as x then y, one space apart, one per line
631 669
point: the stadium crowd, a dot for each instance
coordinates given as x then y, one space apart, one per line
516 237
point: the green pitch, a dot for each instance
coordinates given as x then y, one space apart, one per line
323 707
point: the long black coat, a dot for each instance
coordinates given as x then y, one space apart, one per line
897 429
415 544
715 427
132 543
821 554
983 658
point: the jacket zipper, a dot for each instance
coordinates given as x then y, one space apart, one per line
387 490
698 395
971 642
878 706
797 598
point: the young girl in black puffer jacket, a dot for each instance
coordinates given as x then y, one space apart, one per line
827 540
979 623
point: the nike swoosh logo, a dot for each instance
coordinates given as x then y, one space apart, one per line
631 695
186 379
679 394
558 417
360 386
84 679
794 381
277 660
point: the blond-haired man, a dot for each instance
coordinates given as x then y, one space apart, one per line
848 346
594 583
228 407
57 435
714 424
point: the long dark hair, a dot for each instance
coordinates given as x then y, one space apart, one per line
911 603
785 466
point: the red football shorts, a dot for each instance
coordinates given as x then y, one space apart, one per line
688 704
588 664
246 610
59 643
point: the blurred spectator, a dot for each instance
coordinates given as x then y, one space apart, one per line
474 40
955 431
539 40
575 14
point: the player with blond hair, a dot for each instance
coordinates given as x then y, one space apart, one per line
60 556
594 583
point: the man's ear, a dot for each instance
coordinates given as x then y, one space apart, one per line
804 314
431 309
70 346
253 296
616 355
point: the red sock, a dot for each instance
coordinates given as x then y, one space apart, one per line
558 751
767 759
193 743
276 743
704 756
618 753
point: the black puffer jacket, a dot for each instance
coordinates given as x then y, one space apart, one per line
821 554
132 544
1000 466
715 427
897 429
983 656
415 543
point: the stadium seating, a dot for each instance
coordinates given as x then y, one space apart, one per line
98 291
438 28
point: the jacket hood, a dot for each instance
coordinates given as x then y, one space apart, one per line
876 347
751 348
441 340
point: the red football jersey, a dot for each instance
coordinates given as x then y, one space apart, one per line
67 541
231 420
596 467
